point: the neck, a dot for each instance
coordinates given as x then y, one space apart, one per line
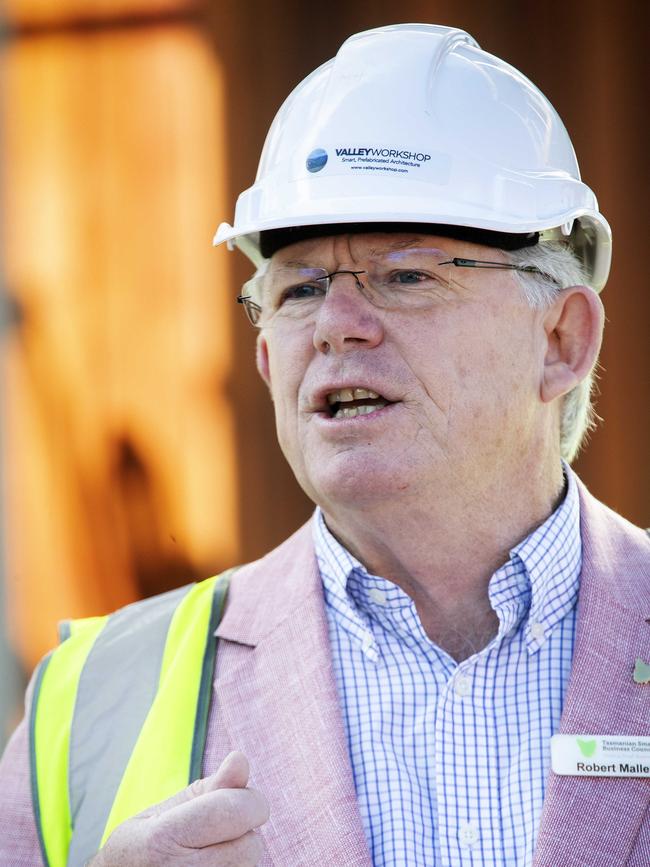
442 552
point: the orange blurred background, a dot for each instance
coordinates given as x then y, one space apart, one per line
138 447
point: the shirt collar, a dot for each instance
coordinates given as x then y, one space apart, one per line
541 577
552 558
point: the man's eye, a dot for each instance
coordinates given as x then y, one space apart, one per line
410 278
302 292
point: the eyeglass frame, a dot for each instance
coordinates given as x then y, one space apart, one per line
254 311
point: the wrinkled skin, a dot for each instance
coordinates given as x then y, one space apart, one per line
464 375
209 824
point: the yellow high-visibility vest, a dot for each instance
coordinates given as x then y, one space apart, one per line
119 715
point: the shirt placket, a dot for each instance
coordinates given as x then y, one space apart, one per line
466 783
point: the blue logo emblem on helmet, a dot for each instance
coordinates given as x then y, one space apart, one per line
316 160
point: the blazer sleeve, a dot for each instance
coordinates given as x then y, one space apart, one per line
19 846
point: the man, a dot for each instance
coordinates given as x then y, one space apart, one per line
428 263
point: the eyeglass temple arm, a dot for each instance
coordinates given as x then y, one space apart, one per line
479 263
248 301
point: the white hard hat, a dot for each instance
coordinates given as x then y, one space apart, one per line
414 123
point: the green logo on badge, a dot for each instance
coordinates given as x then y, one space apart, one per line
587 747
641 672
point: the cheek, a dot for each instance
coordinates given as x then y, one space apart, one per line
286 364
483 366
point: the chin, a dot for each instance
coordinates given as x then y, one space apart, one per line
347 483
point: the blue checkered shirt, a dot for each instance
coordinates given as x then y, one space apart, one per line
450 760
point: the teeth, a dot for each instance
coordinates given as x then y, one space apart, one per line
360 393
346 394
352 411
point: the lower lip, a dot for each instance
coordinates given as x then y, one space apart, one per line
367 418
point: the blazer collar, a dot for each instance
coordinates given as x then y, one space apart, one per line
280 706
577 824
266 593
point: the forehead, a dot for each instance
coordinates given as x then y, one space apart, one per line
364 244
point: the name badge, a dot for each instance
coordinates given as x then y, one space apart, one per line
600 756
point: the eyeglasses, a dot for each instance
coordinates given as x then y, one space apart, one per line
410 279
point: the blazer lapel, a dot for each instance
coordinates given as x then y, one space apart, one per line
279 705
591 820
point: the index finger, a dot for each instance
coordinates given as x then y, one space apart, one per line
215 817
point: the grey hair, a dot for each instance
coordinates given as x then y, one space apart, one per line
252 285
556 259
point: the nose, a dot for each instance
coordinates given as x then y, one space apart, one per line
346 319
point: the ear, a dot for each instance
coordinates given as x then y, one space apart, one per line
574 330
262 359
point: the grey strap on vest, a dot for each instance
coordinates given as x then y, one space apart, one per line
117 687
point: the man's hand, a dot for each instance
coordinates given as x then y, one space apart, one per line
210 822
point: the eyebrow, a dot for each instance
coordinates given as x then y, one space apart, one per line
397 245
373 251
297 263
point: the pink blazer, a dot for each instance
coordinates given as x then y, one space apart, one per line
275 698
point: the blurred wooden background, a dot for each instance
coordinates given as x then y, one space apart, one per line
138 446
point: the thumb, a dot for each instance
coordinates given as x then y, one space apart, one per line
232 773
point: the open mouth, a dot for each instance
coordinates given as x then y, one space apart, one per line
351 402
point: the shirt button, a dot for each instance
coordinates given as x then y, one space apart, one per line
467 834
537 631
367 642
377 595
463 685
